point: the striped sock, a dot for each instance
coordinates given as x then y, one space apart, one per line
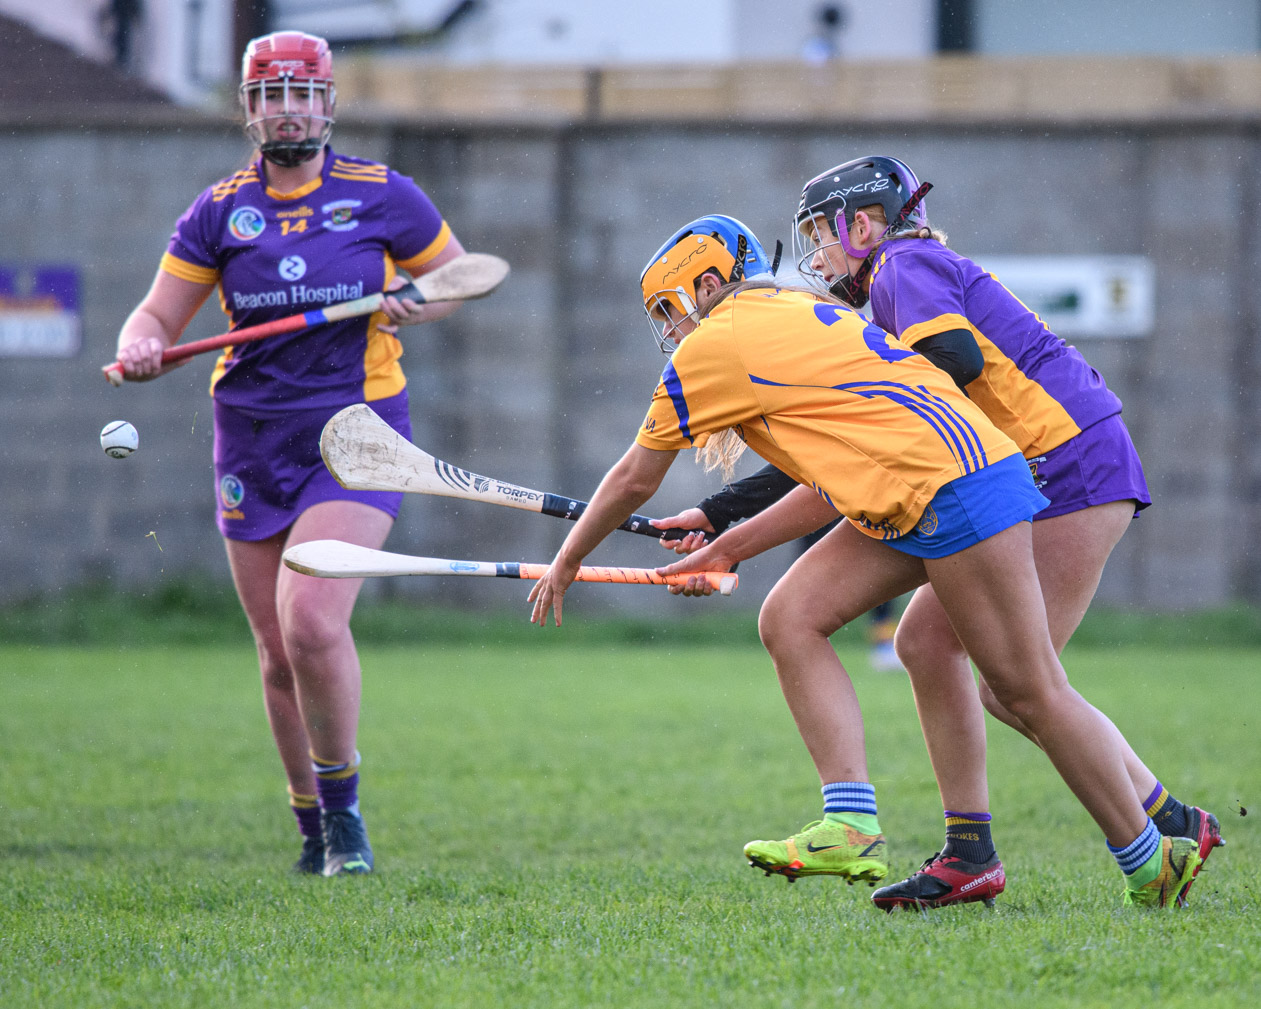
1138 852
338 783
307 809
847 797
1169 815
968 837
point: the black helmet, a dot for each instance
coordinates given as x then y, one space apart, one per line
842 191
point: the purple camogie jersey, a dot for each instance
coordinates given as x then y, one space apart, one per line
340 237
1035 387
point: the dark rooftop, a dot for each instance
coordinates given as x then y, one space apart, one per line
39 72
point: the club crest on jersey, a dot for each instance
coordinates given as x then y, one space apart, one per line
231 491
341 215
246 223
292 268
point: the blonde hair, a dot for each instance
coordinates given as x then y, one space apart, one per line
877 215
724 448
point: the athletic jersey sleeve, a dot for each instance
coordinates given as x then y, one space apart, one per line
193 251
703 390
914 295
745 498
418 232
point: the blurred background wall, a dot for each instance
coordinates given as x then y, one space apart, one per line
571 138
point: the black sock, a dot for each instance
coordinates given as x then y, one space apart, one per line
968 837
1169 815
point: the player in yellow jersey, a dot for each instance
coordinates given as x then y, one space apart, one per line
1041 392
932 493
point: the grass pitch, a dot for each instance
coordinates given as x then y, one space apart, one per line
560 824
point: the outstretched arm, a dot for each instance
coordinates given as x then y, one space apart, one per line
631 482
734 502
799 512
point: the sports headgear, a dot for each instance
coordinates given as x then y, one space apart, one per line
836 195
715 242
298 66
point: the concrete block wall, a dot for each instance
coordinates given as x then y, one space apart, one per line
546 382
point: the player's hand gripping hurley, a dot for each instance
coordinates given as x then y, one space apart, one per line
336 559
473 275
364 453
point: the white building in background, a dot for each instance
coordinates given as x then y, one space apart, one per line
604 33
601 33
187 48
181 47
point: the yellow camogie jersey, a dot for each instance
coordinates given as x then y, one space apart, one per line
828 397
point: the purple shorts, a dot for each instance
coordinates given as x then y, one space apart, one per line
1098 466
268 470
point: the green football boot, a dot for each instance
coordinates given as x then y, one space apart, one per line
827 847
1179 858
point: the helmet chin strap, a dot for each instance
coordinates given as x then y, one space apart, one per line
850 287
290 154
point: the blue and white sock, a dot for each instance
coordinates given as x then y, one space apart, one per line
1138 852
849 797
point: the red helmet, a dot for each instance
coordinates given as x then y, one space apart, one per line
288 96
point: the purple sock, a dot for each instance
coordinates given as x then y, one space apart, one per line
308 821
307 810
338 784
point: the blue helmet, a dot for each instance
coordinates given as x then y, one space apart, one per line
714 242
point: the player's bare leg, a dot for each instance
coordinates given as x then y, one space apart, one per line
1070 552
314 617
992 596
941 681
967 867
255 568
837 580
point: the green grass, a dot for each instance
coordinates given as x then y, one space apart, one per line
560 825
206 612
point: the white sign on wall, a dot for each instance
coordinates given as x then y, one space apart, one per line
1082 295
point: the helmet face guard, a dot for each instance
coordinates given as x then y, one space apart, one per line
288 96
826 213
668 283
666 309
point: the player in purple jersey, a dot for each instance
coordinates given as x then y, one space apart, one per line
302 228
1044 395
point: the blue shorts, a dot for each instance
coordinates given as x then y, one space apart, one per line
974 508
268 469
